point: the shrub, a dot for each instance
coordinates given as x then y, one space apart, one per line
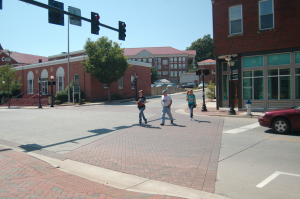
62 96
82 101
116 96
16 92
57 102
76 96
211 90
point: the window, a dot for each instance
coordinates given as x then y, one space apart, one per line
171 66
253 61
155 59
266 16
183 66
133 59
279 84
139 60
175 73
159 66
179 66
76 80
224 66
159 73
165 62
179 58
120 83
235 18
297 80
159 60
175 58
30 78
180 73
165 73
171 59
171 73
60 79
183 58
225 87
132 82
253 85
145 60
279 59
150 60
183 72
297 57
175 66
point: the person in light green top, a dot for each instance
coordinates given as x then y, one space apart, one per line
191 98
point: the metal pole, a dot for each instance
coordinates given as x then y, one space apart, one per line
68 61
203 105
231 110
135 87
52 93
40 106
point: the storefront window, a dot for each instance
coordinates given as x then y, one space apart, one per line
235 67
297 80
254 61
224 66
297 57
279 59
253 87
279 84
225 87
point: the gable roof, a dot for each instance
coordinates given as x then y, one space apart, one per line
25 58
157 51
207 62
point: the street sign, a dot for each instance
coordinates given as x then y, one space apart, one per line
56 17
74 20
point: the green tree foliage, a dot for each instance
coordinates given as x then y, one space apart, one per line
154 74
106 61
8 80
204 49
211 93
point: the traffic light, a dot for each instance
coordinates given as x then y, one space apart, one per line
95 23
56 17
198 72
206 71
122 30
0 4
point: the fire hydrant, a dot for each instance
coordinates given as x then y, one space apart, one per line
248 106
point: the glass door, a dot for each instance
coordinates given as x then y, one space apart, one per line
44 87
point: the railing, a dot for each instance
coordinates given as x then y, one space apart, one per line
11 102
32 97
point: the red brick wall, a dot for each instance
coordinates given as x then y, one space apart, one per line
285 34
92 88
2 63
209 77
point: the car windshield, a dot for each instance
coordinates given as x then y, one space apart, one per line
296 107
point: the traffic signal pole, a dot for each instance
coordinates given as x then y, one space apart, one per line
64 12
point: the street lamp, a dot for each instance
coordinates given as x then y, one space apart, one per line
231 63
203 94
213 72
39 81
52 78
135 80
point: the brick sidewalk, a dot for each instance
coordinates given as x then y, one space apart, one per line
23 176
184 154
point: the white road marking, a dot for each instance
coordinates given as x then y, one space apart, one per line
242 129
272 177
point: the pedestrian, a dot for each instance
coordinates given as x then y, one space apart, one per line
191 98
166 102
141 101
187 93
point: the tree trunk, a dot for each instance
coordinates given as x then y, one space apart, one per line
108 92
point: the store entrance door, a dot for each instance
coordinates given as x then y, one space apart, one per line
234 89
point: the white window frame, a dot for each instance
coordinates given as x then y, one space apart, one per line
171 59
179 58
179 66
75 79
139 60
159 66
144 60
269 13
175 59
150 60
120 83
165 62
230 20
175 73
183 58
183 66
171 66
60 75
175 66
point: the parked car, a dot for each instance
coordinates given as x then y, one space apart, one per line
201 85
152 85
183 86
282 120
161 85
190 85
172 84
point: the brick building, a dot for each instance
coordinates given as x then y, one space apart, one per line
169 62
265 43
209 64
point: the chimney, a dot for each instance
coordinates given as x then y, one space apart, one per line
40 60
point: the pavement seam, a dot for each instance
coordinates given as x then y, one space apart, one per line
137 184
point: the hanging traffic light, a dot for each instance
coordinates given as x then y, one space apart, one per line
56 17
95 23
198 72
122 30
206 71
0 4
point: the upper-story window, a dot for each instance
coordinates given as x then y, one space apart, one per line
150 60
179 59
145 60
171 59
183 58
165 62
266 14
159 60
175 58
236 19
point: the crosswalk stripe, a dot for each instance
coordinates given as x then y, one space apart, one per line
242 129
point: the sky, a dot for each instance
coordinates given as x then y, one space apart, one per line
156 23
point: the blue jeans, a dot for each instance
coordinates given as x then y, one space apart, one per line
191 107
164 111
142 114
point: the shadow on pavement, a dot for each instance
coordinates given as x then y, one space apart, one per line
2 150
291 133
202 121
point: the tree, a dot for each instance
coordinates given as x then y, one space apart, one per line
8 81
154 74
204 49
106 61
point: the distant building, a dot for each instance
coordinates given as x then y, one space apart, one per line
209 64
264 41
189 78
169 62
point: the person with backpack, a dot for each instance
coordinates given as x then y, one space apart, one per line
141 101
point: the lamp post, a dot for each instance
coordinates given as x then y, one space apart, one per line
231 63
52 78
203 94
213 72
135 80
39 81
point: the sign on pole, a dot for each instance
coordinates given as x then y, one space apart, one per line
74 20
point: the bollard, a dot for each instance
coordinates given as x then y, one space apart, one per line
248 106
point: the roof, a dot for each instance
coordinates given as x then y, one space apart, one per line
25 58
207 62
157 51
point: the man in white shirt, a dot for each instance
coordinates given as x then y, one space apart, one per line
166 102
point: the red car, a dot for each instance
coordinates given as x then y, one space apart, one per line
283 120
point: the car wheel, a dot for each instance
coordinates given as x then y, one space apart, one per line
281 125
